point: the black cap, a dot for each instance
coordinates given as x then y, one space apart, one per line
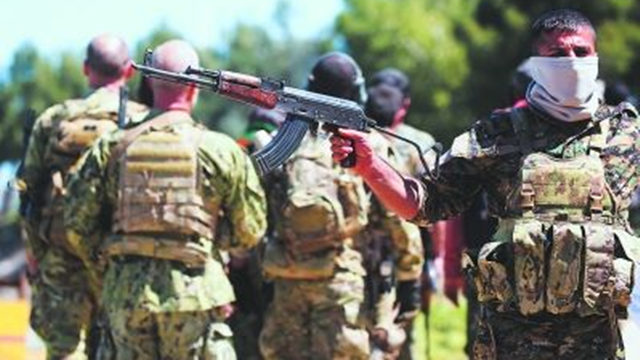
392 77
337 74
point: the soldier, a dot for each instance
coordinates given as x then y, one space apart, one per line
245 271
316 208
559 174
63 302
319 215
167 195
392 113
388 103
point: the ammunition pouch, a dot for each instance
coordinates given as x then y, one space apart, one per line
278 263
299 247
559 268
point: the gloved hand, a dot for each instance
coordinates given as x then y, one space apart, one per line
397 193
346 142
408 299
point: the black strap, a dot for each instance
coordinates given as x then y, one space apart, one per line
522 130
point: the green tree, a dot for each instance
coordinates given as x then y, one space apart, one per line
34 83
253 50
420 37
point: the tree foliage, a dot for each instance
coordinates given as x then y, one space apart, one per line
419 37
34 83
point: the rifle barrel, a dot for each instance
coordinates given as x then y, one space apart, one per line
148 71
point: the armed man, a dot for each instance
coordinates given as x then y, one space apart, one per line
388 102
321 232
316 209
391 110
64 294
157 202
559 173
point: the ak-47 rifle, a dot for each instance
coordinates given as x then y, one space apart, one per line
302 108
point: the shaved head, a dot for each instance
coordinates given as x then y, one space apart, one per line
108 56
175 56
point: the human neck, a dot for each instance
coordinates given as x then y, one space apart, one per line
113 86
172 103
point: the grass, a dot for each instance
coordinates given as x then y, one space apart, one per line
447 329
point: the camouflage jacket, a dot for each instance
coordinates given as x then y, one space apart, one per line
488 157
162 285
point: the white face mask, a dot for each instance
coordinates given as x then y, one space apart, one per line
564 87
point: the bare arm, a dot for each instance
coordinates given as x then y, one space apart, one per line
397 193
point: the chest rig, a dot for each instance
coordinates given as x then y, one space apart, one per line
558 251
160 212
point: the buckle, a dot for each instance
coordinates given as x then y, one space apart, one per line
596 202
527 196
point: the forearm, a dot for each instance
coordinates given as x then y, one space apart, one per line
397 193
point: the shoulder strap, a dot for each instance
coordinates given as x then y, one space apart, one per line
521 129
160 121
598 140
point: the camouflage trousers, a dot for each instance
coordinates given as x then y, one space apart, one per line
142 334
545 337
316 320
61 305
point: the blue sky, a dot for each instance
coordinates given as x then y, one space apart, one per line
58 25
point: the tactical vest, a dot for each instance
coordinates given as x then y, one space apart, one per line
160 212
563 250
72 132
323 208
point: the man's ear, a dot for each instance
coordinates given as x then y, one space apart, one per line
128 71
85 68
398 117
406 103
192 95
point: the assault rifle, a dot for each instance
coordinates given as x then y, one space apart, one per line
302 108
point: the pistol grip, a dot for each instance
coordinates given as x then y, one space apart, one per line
350 160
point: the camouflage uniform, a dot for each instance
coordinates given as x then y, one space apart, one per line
161 192
558 271
319 287
63 292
